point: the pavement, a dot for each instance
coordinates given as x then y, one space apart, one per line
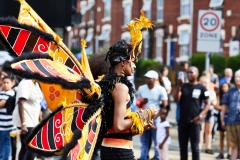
174 153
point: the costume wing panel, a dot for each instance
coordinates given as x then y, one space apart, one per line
27 38
62 127
21 40
55 95
63 82
61 53
85 146
43 68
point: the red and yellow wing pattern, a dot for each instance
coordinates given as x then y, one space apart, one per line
58 130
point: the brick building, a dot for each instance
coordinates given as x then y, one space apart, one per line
104 22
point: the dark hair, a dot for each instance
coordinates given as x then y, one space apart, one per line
120 51
221 94
183 64
98 65
165 108
163 69
160 79
9 77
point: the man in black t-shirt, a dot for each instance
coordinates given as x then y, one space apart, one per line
191 95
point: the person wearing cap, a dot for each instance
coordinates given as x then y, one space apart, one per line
153 95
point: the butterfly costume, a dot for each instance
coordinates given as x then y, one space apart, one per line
82 110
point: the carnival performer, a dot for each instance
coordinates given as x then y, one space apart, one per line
118 95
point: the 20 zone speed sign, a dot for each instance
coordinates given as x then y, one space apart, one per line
209 25
209 21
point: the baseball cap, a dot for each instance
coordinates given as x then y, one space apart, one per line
151 74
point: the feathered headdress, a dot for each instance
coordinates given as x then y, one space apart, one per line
135 28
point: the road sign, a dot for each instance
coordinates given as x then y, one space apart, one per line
209 29
233 48
209 25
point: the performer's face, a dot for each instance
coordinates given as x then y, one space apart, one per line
129 66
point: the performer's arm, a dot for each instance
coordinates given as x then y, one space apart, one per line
121 98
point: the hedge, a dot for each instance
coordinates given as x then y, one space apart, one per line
234 63
142 66
198 60
218 61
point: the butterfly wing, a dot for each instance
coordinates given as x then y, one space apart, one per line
51 135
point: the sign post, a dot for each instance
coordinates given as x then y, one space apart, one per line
209 29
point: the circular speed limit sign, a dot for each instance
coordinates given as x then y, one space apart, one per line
209 21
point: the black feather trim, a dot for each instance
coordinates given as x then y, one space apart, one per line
36 130
107 85
11 21
83 83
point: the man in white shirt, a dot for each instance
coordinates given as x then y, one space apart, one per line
26 114
153 95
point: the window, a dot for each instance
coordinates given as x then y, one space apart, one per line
215 3
91 14
184 38
146 45
127 13
185 7
159 9
107 8
159 42
105 38
184 50
83 18
89 37
83 7
147 8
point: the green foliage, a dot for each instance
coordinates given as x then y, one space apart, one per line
198 60
75 50
219 62
142 66
234 63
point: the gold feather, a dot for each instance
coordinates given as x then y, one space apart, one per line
135 27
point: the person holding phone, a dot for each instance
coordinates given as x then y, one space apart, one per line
191 95
183 75
152 95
